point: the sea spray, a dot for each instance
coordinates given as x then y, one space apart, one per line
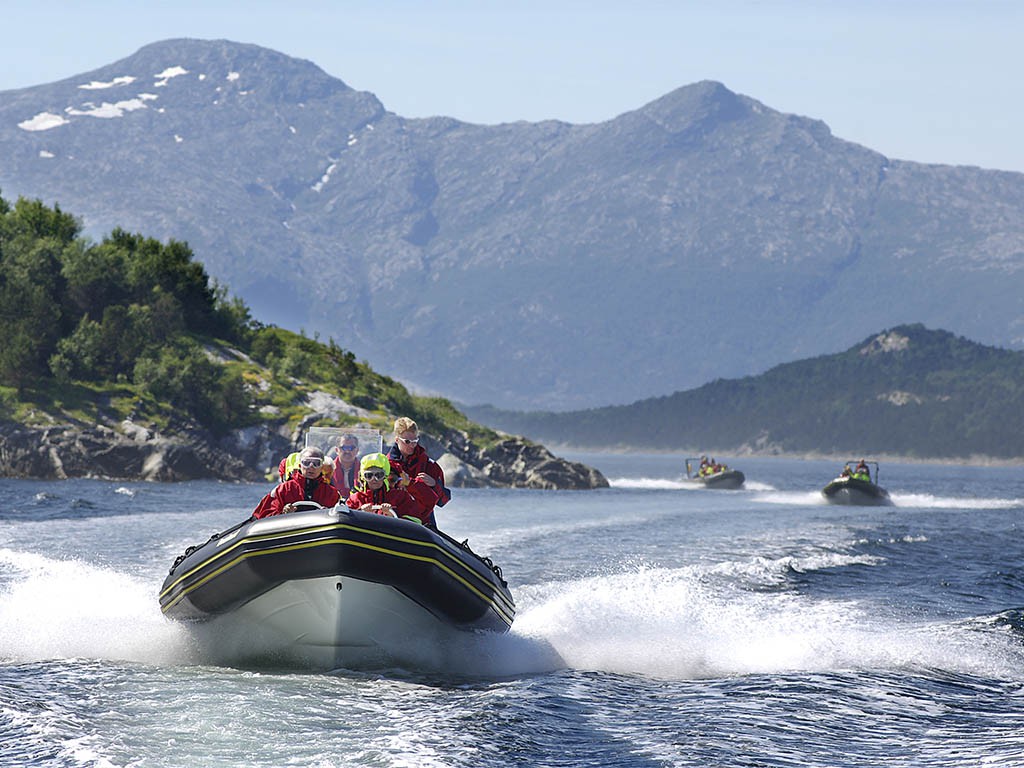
59 609
682 624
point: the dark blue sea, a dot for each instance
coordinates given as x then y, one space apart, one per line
658 626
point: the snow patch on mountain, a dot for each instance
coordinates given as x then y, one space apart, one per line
167 74
107 110
97 85
44 121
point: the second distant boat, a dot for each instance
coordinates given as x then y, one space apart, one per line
711 474
857 486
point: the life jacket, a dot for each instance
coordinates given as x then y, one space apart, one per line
300 488
346 479
404 504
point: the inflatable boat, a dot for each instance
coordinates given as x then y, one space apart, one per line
727 478
857 488
714 476
331 588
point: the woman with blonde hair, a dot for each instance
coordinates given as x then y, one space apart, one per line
425 474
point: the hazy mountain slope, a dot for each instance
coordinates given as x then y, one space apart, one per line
526 264
908 391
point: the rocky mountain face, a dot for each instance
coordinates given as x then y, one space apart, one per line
528 265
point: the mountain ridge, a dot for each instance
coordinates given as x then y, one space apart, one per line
907 391
527 257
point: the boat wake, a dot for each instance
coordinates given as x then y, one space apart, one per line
54 609
651 483
675 624
696 622
665 484
792 498
927 500
61 609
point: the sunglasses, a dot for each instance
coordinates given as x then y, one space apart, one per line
373 475
311 462
348 447
409 440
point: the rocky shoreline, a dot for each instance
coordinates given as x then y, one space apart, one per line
128 451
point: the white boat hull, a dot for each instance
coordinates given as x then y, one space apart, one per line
314 624
329 589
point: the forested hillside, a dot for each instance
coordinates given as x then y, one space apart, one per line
131 327
908 391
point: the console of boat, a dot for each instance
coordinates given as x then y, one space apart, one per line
857 488
336 587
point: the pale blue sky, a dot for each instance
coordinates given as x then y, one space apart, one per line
936 81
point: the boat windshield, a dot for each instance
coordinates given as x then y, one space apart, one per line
333 440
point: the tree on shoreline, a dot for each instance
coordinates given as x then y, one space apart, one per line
128 309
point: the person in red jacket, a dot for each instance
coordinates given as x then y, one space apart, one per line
308 484
380 491
289 467
425 474
346 463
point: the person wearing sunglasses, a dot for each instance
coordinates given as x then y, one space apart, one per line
426 475
306 484
346 464
380 492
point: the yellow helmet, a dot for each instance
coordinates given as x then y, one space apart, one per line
376 461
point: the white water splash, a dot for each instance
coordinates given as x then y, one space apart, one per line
667 484
652 483
59 609
672 624
927 500
793 498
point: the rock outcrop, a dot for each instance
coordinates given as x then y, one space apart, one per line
517 463
134 452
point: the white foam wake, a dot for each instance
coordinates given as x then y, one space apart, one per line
672 624
57 609
927 500
641 483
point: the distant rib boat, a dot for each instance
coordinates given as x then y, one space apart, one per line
857 488
717 476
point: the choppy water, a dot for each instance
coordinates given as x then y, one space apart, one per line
657 626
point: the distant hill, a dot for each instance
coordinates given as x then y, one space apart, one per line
907 391
701 236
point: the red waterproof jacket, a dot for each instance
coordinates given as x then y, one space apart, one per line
417 462
345 480
403 502
298 488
